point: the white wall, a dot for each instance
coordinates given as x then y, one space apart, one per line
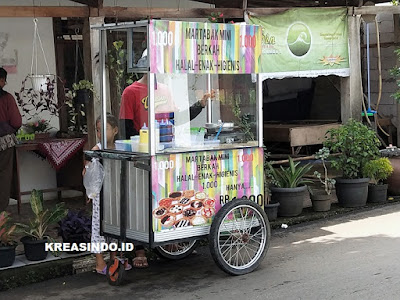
20 36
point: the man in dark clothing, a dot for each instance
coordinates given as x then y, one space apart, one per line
10 122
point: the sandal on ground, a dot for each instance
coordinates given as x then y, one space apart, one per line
140 262
127 266
102 272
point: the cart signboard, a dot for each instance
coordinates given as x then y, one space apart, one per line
204 48
189 188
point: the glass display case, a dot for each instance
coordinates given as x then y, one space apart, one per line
187 104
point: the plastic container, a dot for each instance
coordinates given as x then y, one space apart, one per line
123 145
144 139
211 143
135 143
157 132
166 138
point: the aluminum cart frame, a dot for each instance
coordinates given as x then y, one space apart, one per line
238 233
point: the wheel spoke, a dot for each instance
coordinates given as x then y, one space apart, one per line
239 247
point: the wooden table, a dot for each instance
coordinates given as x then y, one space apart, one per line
69 177
297 134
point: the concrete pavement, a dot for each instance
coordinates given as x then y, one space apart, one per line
351 257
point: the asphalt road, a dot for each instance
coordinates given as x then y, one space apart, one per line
351 257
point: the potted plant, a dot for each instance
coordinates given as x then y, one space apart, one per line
355 144
322 198
378 170
76 99
7 243
33 102
35 239
75 227
81 91
288 187
39 128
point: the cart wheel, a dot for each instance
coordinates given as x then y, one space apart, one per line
239 237
115 272
177 251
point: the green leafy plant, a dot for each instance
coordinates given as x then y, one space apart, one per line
215 17
243 119
378 170
6 230
356 145
33 103
38 225
395 73
327 182
117 63
289 177
37 126
75 110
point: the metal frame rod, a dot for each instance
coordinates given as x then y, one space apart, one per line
209 106
103 91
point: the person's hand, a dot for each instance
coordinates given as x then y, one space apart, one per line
203 100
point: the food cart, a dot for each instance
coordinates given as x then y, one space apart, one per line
199 171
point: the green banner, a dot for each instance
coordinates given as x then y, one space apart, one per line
304 42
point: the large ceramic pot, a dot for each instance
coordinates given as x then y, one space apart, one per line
321 201
352 192
290 199
394 179
34 249
7 255
377 193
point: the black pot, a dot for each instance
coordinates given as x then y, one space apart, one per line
271 210
34 249
377 193
82 96
7 255
290 199
321 201
352 192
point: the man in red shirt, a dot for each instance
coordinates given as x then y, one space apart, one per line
134 105
10 122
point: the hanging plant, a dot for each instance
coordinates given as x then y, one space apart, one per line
33 102
76 98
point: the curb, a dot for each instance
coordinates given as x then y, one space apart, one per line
308 215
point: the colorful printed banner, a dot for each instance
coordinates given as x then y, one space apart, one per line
190 47
189 188
304 42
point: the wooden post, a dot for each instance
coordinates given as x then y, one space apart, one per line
396 29
87 67
351 87
96 74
